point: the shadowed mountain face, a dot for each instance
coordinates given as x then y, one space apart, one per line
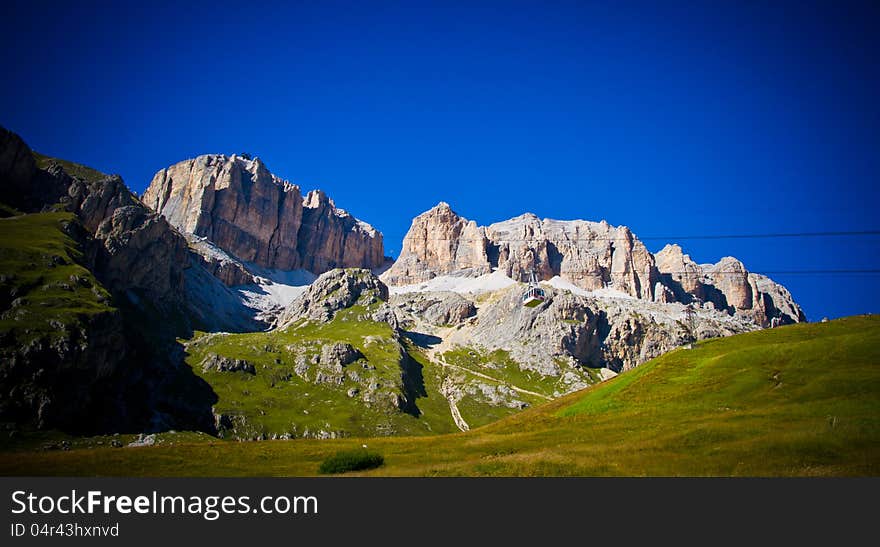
92 298
257 217
591 255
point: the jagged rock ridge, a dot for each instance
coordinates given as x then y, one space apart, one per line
332 291
96 371
254 215
592 255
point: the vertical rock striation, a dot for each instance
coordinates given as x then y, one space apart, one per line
254 215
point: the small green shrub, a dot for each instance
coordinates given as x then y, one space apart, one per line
350 460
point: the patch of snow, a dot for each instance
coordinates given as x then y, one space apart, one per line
578 229
615 301
281 277
548 228
269 297
274 289
366 227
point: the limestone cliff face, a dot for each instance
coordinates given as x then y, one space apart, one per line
727 286
681 274
249 212
440 242
139 252
612 333
592 255
331 238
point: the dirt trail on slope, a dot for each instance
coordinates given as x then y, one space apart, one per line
447 338
435 354
449 392
439 360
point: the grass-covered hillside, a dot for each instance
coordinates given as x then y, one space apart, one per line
73 169
283 384
44 289
796 400
60 338
287 383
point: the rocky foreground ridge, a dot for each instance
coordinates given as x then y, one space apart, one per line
93 294
592 256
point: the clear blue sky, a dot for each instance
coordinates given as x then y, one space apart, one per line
672 118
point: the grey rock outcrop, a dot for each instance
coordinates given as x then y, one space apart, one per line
140 253
256 216
229 270
775 301
230 274
727 285
570 331
437 308
339 354
333 291
332 360
439 242
143 440
220 363
683 276
94 202
591 255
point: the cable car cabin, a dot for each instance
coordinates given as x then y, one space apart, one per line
533 297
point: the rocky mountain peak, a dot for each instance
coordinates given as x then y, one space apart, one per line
441 210
671 250
591 255
729 263
333 291
250 213
317 199
440 241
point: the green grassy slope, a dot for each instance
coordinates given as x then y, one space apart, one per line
797 400
42 285
499 365
277 401
74 169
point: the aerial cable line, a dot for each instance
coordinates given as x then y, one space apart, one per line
770 235
673 238
698 273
